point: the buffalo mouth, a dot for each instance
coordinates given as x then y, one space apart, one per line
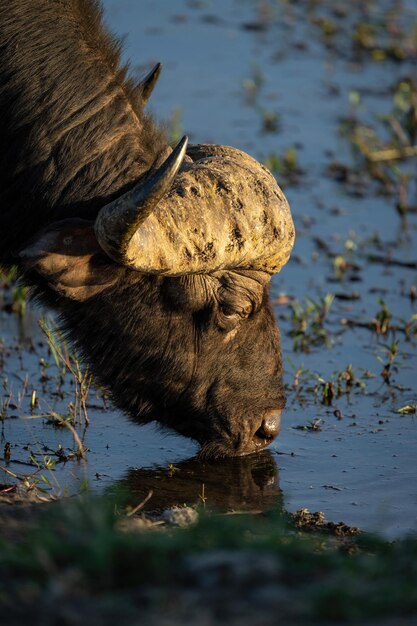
256 440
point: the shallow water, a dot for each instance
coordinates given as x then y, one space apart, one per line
360 465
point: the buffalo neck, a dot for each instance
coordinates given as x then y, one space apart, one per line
73 124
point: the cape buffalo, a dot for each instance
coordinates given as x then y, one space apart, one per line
157 260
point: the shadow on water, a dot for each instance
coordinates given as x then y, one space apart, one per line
249 483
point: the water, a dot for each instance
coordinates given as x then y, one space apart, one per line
360 469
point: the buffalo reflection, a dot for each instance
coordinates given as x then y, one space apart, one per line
236 483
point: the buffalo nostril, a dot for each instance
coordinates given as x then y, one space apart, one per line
270 426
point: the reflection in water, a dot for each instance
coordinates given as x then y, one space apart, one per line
239 483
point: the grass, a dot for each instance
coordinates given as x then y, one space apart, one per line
362 32
13 295
86 548
340 383
383 146
285 167
54 392
384 323
67 361
308 322
307 385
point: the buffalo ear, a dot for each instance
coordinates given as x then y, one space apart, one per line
67 255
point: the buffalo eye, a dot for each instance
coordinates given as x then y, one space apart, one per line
227 311
228 318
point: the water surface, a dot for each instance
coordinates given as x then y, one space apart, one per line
359 465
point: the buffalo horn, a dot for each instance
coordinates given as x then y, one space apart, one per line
222 211
146 86
118 221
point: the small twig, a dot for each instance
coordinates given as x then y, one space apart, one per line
60 420
399 131
33 417
141 505
8 489
228 513
20 479
377 258
371 258
9 473
26 463
392 154
324 246
372 325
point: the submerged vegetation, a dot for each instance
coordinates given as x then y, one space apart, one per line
384 145
308 322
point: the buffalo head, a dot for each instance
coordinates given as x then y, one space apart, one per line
166 295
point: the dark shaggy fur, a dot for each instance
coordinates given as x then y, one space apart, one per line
199 353
72 134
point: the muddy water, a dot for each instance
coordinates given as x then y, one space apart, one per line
358 463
